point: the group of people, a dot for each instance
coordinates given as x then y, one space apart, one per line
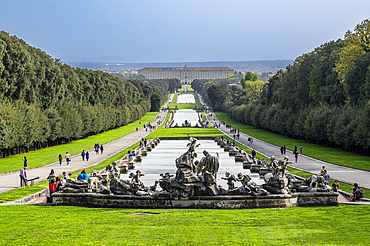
98 147
55 184
295 151
67 157
356 194
143 142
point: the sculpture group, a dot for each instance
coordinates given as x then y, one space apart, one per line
196 178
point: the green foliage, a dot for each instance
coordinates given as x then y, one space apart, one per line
44 102
251 77
308 101
331 155
48 155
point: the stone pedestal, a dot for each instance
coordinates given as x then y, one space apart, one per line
148 148
143 152
138 158
123 168
130 164
227 148
255 168
233 153
247 165
239 158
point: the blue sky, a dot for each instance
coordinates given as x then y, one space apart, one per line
176 31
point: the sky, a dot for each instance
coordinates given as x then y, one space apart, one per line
179 31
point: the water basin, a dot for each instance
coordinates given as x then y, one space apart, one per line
185 114
162 160
186 98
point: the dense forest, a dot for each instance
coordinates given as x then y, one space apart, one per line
323 98
44 102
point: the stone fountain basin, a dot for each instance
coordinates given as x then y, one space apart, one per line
197 202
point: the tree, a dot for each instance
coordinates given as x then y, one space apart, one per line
251 77
242 82
253 89
357 43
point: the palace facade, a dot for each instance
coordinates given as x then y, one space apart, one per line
185 74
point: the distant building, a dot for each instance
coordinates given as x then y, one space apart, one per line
185 74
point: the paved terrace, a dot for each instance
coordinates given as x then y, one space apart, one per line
11 181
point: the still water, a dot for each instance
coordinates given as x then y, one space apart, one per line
162 160
186 98
185 114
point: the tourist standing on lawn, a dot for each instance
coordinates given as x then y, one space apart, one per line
25 162
101 149
68 158
253 154
60 159
83 155
87 155
23 176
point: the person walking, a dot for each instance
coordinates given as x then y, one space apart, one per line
68 158
253 154
101 149
60 159
87 155
295 149
25 162
284 149
97 149
83 155
300 149
23 176
296 156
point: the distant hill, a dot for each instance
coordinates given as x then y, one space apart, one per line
243 66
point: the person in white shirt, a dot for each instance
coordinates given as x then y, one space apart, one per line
23 176
67 158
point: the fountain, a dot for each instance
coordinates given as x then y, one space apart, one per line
195 185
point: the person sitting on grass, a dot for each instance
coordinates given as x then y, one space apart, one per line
334 187
83 176
357 194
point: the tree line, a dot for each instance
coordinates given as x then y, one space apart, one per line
44 102
322 98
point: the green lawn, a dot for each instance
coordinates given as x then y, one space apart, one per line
330 155
182 89
48 155
41 225
184 131
190 89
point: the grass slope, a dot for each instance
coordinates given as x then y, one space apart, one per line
37 225
330 155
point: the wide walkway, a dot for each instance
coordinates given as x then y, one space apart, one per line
11 181
305 163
